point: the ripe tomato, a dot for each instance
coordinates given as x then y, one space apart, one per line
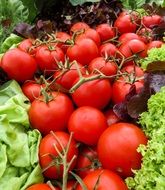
87 161
126 23
105 31
151 20
31 89
102 179
51 116
87 122
41 186
145 34
78 26
83 51
91 34
132 47
107 67
71 185
111 117
133 69
48 154
63 37
66 80
127 37
108 50
18 65
48 57
154 44
120 153
27 46
95 93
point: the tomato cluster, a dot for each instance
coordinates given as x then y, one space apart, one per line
72 81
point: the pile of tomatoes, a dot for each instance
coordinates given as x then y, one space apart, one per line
72 81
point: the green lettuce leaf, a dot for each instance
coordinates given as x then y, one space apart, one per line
19 166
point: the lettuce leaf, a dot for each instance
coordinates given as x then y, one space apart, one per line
19 166
152 172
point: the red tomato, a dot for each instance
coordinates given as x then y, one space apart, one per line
95 93
67 79
83 51
132 47
145 34
111 117
127 37
18 65
105 31
103 180
27 46
71 185
32 90
41 186
91 34
120 153
87 124
78 26
107 67
51 116
126 23
87 161
154 44
49 155
48 58
151 21
133 69
108 50
63 37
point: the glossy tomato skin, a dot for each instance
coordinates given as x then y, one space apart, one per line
127 37
146 35
51 116
138 72
108 50
87 161
27 46
41 186
71 184
78 26
117 148
105 31
105 180
46 149
107 67
87 124
96 93
125 23
18 65
111 117
83 51
68 78
32 90
47 58
151 21
91 34
62 36
154 44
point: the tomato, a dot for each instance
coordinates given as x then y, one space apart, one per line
105 31
87 124
87 161
31 89
133 47
154 44
117 148
78 26
127 37
95 93
125 23
71 185
108 50
48 57
83 51
41 186
63 37
103 180
107 67
51 116
18 65
66 79
91 34
151 20
27 46
111 117
145 34
133 69
49 155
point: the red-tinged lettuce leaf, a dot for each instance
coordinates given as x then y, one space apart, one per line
134 103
